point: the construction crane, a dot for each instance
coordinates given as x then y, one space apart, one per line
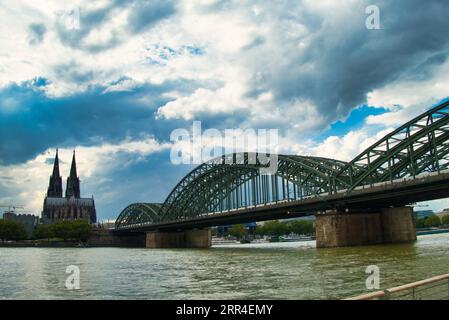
13 206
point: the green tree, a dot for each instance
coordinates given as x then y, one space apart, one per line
75 230
275 228
301 227
62 229
259 231
445 219
43 231
239 231
12 230
432 221
420 223
310 228
79 230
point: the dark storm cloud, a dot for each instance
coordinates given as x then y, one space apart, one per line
31 122
346 61
71 72
89 20
142 16
148 180
425 70
36 33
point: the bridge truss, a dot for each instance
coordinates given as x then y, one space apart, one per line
417 147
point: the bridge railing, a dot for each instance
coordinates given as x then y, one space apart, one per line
435 288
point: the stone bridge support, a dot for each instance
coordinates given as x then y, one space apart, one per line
197 238
389 225
109 238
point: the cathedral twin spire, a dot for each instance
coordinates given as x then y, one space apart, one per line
55 184
73 182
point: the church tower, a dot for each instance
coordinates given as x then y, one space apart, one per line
72 206
73 182
55 184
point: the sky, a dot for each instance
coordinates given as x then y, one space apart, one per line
112 79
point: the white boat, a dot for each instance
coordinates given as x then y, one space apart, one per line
292 238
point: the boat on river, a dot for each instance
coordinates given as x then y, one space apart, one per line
294 238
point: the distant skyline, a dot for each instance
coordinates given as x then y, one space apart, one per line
116 82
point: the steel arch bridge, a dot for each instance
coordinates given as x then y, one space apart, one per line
236 181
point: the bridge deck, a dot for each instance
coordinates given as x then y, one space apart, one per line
380 195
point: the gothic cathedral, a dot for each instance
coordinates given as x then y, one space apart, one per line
70 207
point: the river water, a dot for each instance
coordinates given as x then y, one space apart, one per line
295 270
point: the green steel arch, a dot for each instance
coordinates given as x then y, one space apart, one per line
418 146
138 213
236 181
221 185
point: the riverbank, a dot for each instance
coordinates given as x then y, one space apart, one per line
106 239
99 238
431 231
62 244
48 244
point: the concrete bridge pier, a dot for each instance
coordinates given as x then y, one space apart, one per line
342 229
196 238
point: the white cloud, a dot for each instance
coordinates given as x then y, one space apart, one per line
27 182
344 147
409 97
203 101
413 92
282 64
284 49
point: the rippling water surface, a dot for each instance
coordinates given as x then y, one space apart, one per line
295 270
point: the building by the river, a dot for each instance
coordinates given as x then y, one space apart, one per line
28 220
70 207
443 213
422 214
